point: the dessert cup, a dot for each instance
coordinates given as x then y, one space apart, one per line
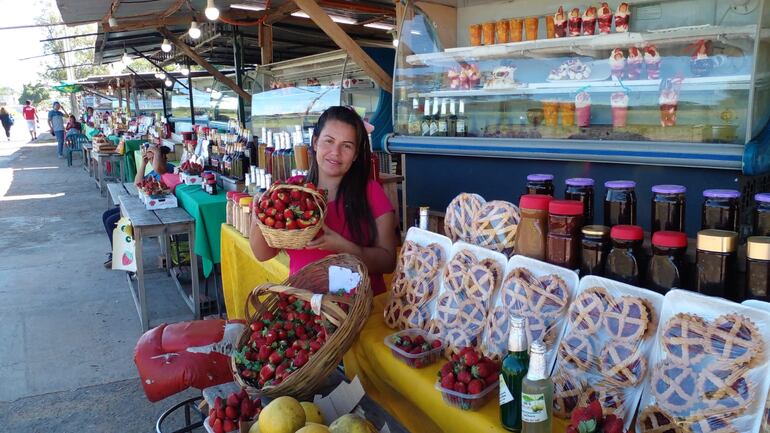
501 29
474 32
489 33
516 28
583 109
567 110
619 103
531 27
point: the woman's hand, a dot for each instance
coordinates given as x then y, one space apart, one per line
330 240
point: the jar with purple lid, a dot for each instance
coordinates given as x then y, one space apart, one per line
762 215
540 184
668 206
720 209
582 190
620 203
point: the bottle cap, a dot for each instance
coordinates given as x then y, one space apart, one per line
566 207
596 230
669 189
245 201
579 181
721 193
717 241
517 322
535 201
762 197
539 177
759 248
669 239
627 233
620 184
537 348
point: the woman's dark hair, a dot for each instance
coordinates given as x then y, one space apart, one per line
352 190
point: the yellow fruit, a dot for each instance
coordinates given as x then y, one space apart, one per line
254 428
282 415
313 428
312 413
351 423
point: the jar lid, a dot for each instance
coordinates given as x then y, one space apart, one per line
580 181
620 184
230 194
627 233
759 248
539 177
566 207
535 201
245 201
669 239
717 241
762 197
669 189
721 193
597 230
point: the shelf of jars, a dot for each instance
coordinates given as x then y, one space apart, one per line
585 44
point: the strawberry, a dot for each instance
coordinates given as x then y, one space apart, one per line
218 403
295 194
416 350
257 326
266 372
269 316
232 401
448 382
475 386
446 370
218 428
228 426
435 344
212 417
301 358
481 370
264 204
471 358
315 346
303 224
280 206
419 340
274 196
275 357
269 221
406 341
281 371
464 377
243 395
291 224
231 412
264 353
246 409
460 387
290 353
307 214
261 217
310 185
271 211
279 225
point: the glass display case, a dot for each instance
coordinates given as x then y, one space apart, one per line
676 82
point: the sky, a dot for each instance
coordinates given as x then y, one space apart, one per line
18 44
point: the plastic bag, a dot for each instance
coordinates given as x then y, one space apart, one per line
604 351
123 246
765 306
458 219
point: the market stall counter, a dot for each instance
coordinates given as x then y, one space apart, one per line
209 213
410 393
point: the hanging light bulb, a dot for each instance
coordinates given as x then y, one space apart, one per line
112 22
165 46
126 59
185 71
395 42
194 31
168 82
212 13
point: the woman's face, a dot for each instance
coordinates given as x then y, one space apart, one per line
336 148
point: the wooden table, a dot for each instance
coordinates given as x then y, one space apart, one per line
101 176
88 165
161 224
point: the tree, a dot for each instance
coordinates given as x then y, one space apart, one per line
5 90
34 92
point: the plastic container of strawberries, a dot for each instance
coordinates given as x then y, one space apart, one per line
414 360
467 401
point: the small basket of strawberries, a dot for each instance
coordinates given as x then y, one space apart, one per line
291 213
468 379
153 188
415 347
231 413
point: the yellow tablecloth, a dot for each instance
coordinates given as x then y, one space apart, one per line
241 271
409 394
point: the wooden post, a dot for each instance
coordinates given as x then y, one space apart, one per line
128 99
266 43
338 35
119 88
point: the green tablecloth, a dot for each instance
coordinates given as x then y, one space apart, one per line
90 132
209 212
132 146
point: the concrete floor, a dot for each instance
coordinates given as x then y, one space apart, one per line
68 326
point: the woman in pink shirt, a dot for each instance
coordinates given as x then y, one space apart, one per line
360 219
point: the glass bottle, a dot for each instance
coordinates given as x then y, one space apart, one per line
434 118
443 125
626 261
582 189
758 268
461 127
540 184
533 227
426 119
452 119
413 123
536 393
565 220
620 203
762 215
715 264
667 268
423 224
595 246
512 371
720 209
269 149
668 208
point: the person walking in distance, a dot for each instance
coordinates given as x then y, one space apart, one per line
30 115
56 125
7 121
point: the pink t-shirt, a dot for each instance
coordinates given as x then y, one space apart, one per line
379 204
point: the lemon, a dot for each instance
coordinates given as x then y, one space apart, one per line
282 415
312 427
352 423
312 413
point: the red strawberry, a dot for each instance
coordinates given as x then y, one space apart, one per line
218 403
291 224
464 377
481 370
217 427
221 413
435 344
232 401
280 206
266 372
264 353
416 350
475 387
279 225
460 387
448 382
212 417
257 326
315 346
471 358
419 340
231 412
243 395
275 358
301 358
228 426
264 204
269 221
446 369
271 211
290 353
295 194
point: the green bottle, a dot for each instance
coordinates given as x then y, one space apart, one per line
514 368
536 393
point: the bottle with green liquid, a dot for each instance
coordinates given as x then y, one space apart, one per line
513 370
536 393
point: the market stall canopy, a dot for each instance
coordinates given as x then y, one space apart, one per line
67 88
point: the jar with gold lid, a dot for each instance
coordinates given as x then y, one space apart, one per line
758 267
715 263
595 246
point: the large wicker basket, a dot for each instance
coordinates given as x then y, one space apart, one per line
293 239
310 280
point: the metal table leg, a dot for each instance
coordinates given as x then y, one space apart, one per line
194 272
140 297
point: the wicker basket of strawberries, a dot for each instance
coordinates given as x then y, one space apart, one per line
298 332
291 213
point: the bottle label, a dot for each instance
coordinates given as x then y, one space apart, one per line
426 128
505 393
414 128
433 128
442 126
533 408
460 126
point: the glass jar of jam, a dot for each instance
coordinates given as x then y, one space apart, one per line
620 203
667 265
668 206
540 184
758 268
720 209
595 246
565 220
762 215
626 261
715 264
533 227
582 189
229 207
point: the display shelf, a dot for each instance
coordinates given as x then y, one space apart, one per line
731 82
583 44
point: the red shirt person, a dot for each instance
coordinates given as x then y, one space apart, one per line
30 115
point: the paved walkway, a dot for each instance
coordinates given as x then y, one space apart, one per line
67 325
